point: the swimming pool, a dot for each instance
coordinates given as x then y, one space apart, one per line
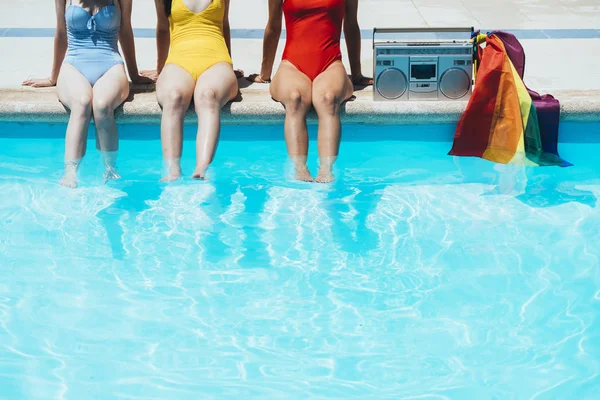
414 276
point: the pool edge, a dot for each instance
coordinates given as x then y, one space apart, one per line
257 107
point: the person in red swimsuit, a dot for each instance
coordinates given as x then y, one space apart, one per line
312 74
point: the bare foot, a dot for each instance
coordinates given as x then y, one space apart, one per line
70 177
69 180
199 173
170 178
111 174
173 170
303 175
324 176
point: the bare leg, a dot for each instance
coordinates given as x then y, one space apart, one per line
292 88
174 91
75 92
109 92
330 89
214 88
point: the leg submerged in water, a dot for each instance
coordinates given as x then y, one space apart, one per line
172 170
75 92
109 92
109 159
293 89
69 178
174 91
301 169
325 174
214 88
330 89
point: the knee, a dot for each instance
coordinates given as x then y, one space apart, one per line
82 106
206 99
175 99
326 102
297 103
102 108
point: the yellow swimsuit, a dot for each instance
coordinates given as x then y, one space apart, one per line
197 41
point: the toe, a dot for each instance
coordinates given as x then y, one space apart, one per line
325 178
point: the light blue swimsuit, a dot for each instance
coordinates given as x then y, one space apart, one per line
93 40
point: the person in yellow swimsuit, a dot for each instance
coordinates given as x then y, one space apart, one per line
193 46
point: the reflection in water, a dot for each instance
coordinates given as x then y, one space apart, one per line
536 187
134 200
547 192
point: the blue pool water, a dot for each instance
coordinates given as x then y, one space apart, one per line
414 276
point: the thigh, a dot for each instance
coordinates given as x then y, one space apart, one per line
220 81
333 81
174 84
112 88
289 82
72 88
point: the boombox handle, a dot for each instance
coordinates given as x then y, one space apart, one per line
421 30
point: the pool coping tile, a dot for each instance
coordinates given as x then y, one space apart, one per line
41 105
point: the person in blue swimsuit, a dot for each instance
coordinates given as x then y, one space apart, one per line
91 79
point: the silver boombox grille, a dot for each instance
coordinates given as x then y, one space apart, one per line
423 69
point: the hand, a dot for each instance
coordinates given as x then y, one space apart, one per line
239 73
37 83
151 74
256 78
361 80
142 80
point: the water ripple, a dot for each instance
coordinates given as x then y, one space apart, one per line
442 279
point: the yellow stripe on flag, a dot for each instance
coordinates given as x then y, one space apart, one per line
525 102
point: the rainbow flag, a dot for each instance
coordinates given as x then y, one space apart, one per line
500 122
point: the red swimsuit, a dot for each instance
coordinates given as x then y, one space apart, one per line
313 34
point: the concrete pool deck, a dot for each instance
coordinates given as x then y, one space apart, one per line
561 39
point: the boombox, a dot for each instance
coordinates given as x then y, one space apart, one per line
424 69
